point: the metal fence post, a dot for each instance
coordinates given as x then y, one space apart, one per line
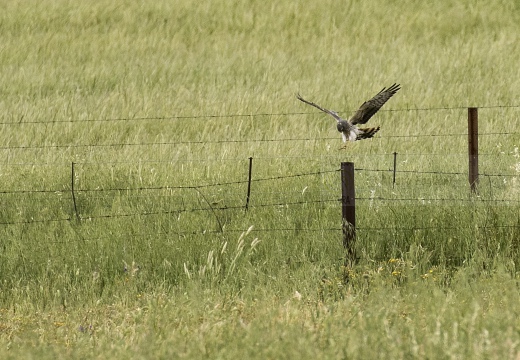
72 191
249 182
395 166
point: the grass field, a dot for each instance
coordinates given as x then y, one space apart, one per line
159 105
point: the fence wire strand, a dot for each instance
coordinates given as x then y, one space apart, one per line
231 141
239 182
215 116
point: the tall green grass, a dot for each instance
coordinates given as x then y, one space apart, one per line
160 105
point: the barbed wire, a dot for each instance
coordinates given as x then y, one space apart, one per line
236 159
42 191
35 221
60 192
414 228
213 116
412 171
231 141
280 177
242 207
433 172
167 212
357 229
420 199
169 187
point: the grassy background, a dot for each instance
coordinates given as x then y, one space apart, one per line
160 105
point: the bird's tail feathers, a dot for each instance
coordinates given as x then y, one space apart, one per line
367 133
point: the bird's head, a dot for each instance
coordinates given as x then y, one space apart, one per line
343 126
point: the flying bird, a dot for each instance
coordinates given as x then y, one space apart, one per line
348 129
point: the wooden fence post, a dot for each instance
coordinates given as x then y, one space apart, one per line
473 147
348 206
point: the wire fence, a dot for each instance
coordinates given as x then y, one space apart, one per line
272 180
269 199
66 188
183 142
231 141
23 121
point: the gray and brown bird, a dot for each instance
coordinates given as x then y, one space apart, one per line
348 129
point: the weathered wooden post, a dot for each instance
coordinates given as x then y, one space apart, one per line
473 147
348 206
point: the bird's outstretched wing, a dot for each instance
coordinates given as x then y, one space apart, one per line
330 112
370 107
367 133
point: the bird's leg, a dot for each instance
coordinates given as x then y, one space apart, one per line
344 146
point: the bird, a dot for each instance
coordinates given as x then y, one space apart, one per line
348 129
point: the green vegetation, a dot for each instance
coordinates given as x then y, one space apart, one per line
160 104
